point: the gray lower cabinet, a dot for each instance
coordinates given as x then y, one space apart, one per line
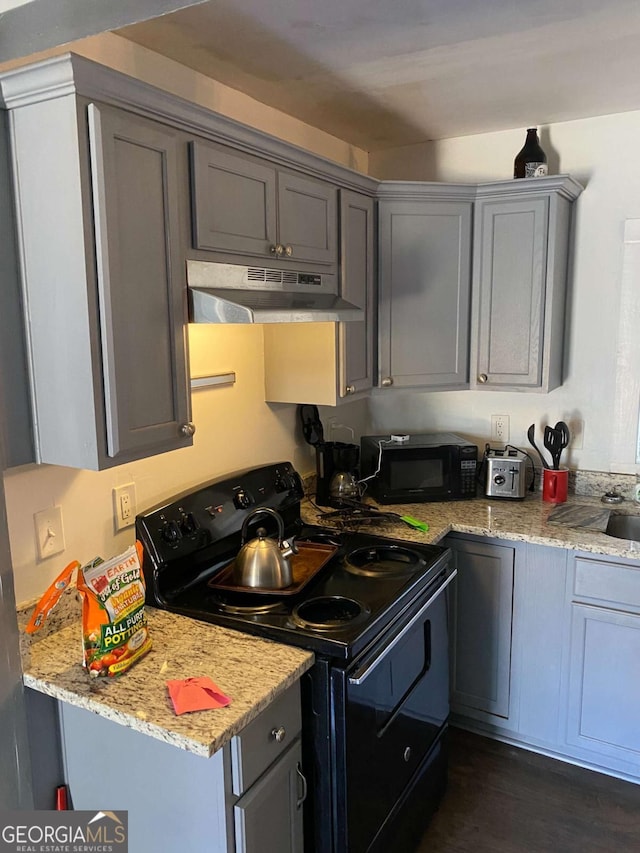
546 650
482 634
98 212
334 362
521 248
246 798
604 663
425 286
246 206
268 818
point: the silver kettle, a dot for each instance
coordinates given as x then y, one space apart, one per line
263 562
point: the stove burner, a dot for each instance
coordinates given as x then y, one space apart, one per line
322 539
329 612
383 561
246 605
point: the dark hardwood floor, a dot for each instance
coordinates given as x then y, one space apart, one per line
506 800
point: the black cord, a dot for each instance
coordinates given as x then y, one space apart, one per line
533 467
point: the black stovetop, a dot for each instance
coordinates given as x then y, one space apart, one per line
363 588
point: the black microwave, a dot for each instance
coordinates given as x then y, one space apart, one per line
415 468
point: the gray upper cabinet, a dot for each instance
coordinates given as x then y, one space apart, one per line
521 246
246 206
15 412
105 292
234 201
334 361
425 285
356 340
491 318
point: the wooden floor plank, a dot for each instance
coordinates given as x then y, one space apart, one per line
501 799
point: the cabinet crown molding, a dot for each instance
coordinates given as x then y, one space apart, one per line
564 185
70 74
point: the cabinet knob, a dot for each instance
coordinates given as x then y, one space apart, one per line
279 734
187 430
350 389
277 250
407 753
288 250
387 382
483 378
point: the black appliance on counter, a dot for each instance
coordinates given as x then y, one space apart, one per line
333 458
439 466
376 702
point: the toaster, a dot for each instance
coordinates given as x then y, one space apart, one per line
506 473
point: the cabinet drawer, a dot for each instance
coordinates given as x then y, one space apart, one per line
615 583
264 739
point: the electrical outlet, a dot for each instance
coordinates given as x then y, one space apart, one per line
500 428
49 532
124 505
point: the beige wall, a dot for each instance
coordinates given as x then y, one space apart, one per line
129 58
235 427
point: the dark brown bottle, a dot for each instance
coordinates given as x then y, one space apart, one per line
531 161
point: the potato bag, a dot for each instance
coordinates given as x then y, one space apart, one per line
114 624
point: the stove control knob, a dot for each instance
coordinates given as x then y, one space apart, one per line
279 734
241 500
188 524
170 532
284 482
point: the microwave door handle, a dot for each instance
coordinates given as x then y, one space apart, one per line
363 672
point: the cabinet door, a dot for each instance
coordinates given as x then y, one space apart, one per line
483 621
234 201
307 219
141 284
604 683
425 281
268 818
357 287
510 266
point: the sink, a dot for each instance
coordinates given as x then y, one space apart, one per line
624 526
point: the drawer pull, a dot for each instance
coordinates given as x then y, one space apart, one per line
279 734
303 780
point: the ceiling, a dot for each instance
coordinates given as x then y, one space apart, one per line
384 73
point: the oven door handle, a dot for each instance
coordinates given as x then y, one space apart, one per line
361 674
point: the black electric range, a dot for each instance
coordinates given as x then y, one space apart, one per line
375 704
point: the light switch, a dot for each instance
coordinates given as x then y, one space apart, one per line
49 532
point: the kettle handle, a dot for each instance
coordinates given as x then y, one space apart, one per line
267 511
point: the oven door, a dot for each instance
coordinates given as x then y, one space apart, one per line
390 707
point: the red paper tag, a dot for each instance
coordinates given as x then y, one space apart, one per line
196 694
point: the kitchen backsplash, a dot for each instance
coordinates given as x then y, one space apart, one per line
596 483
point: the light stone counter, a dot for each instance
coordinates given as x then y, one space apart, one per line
250 670
524 521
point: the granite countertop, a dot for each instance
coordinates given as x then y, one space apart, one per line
250 670
524 521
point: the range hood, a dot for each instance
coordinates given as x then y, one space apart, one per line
230 293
